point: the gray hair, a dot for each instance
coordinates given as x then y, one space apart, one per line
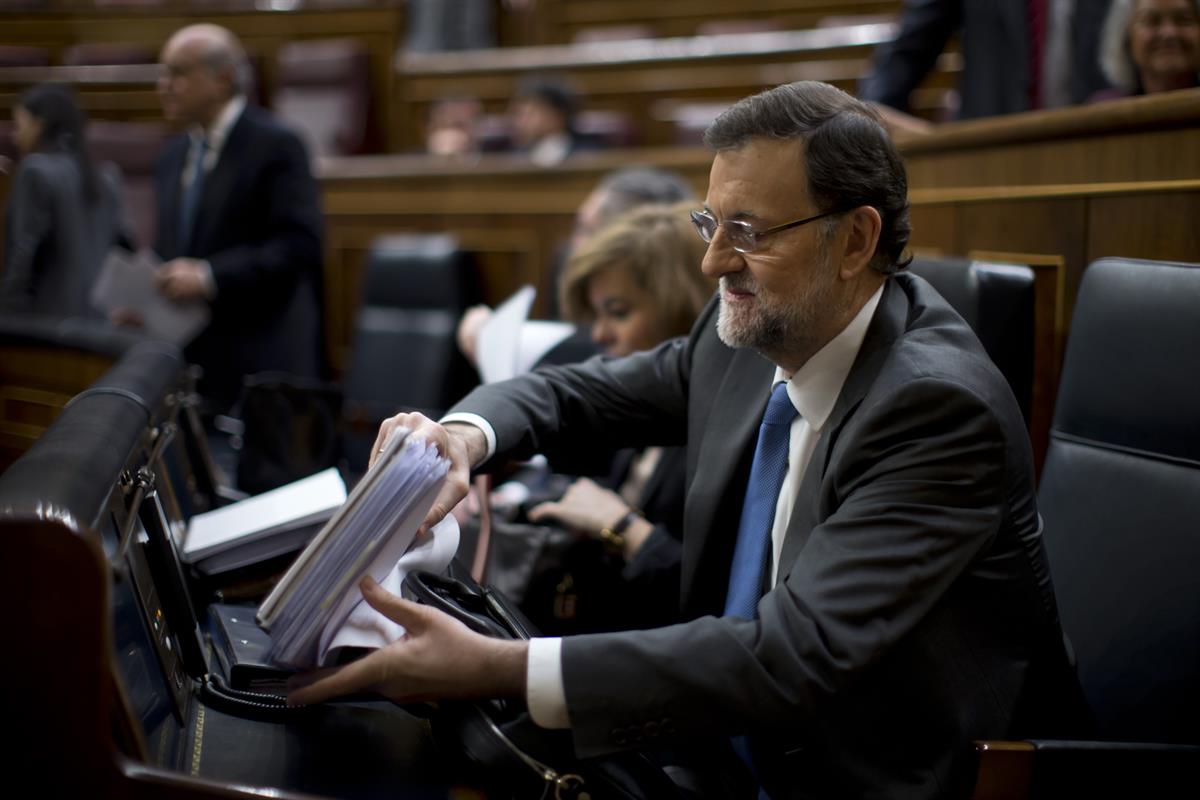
1116 61
628 188
849 157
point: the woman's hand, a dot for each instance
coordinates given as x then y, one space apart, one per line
586 507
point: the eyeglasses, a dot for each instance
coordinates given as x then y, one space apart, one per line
741 235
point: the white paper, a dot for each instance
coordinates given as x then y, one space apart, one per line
299 504
126 281
366 536
538 337
510 344
366 627
499 340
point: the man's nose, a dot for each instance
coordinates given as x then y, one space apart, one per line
720 258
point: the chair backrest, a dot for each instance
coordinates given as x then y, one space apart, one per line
404 354
996 300
324 89
1120 495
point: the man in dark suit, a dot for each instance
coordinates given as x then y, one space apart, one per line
1016 54
863 571
239 222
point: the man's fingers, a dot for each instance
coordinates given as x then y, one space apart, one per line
412 616
322 685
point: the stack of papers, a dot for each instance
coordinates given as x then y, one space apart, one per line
367 536
263 526
509 343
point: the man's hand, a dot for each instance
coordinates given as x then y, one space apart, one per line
184 280
438 658
464 445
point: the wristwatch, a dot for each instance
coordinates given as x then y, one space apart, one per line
613 537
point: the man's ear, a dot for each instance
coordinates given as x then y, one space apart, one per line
863 225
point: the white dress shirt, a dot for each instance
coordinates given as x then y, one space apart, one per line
216 134
813 390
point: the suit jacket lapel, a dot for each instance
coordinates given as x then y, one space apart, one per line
220 183
887 324
172 191
728 440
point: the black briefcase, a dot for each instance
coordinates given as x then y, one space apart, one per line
502 745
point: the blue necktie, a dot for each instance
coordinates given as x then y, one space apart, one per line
758 511
189 204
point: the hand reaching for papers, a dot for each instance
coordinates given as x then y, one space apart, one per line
464 445
438 658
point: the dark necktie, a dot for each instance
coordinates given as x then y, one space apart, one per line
189 204
758 512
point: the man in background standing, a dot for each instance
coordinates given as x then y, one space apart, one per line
239 222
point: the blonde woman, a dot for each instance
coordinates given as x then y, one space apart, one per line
637 283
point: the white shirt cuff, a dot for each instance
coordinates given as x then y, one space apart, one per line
478 422
544 692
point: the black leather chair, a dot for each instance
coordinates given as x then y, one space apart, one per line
1120 496
404 355
996 300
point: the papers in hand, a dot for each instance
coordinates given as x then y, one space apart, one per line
510 344
263 526
126 281
366 536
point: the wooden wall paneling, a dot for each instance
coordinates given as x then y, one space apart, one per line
1131 156
934 229
1053 226
1158 224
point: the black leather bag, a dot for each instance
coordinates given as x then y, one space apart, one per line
502 745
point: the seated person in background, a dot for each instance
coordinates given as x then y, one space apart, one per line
453 128
239 220
1150 46
63 213
637 283
618 192
542 121
863 572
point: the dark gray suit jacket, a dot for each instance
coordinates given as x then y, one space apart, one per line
55 241
259 225
913 611
996 73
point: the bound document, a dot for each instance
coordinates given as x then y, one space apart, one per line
317 607
258 528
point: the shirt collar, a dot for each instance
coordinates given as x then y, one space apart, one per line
219 130
815 387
